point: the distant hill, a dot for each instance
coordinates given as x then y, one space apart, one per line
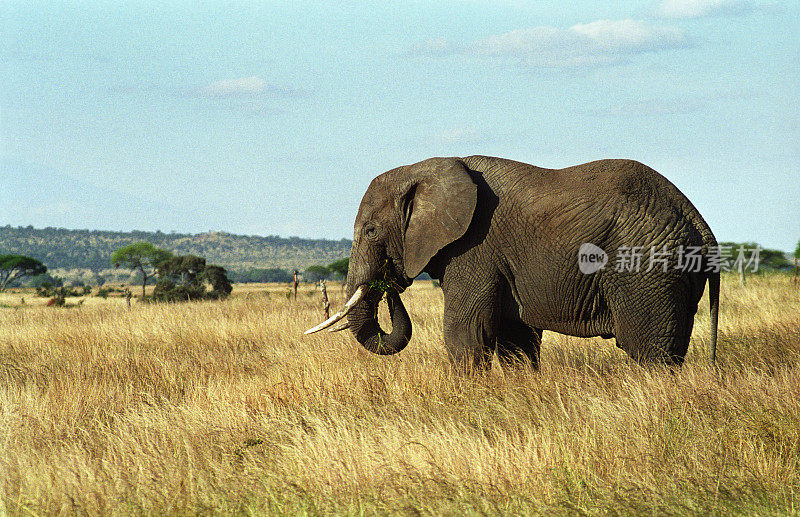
59 248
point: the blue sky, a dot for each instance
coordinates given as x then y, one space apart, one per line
272 118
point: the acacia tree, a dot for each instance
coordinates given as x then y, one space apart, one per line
142 257
218 278
340 267
14 267
179 279
183 278
316 273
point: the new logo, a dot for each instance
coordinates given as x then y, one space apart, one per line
591 258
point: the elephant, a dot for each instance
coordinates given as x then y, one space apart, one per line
520 249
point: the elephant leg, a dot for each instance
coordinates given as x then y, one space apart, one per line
518 343
654 326
469 348
470 328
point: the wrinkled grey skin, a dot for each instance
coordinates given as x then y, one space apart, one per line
503 239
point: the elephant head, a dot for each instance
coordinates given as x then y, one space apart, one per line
406 216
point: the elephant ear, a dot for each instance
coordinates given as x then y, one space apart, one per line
437 209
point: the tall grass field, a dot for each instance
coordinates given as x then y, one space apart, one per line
224 407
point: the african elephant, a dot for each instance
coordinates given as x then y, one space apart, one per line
508 242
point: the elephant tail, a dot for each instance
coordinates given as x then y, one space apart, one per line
713 301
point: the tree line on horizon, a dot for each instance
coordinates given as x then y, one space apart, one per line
178 276
61 248
182 275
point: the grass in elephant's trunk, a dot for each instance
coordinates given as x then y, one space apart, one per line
221 407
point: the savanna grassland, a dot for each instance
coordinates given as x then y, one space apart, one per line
223 407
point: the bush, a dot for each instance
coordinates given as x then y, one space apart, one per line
47 290
168 291
56 301
183 278
220 285
47 278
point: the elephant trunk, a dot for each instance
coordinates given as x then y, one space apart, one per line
363 320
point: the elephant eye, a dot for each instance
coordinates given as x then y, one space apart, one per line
370 231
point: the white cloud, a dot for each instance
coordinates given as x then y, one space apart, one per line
244 87
600 42
630 36
700 8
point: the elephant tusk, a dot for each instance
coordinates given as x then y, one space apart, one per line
340 327
360 293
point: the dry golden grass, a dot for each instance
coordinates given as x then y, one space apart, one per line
222 407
